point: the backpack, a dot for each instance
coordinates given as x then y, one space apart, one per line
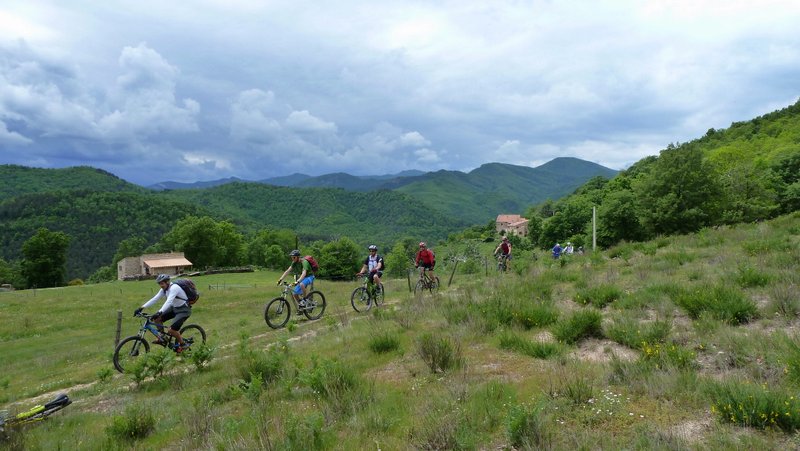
313 263
189 288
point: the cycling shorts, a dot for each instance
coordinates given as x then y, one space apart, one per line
181 314
506 256
373 273
306 282
427 265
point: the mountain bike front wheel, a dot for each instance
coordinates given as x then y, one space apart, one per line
378 298
360 300
128 351
276 313
315 305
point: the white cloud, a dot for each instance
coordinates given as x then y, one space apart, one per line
303 121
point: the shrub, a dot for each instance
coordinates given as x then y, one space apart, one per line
104 374
201 356
664 355
137 422
598 296
723 303
266 365
440 353
330 378
582 324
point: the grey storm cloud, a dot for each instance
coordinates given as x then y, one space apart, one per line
259 89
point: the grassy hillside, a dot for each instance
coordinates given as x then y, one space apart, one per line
685 342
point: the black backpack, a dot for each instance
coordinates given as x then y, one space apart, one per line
189 288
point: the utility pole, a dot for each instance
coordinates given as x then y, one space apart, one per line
594 228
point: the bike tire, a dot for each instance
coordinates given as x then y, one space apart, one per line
128 351
193 334
434 285
360 300
378 300
317 308
277 313
419 287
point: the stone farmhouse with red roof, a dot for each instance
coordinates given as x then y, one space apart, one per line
515 224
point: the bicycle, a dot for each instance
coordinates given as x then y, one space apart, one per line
135 346
426 283
36 413
278 310
502 262
366 295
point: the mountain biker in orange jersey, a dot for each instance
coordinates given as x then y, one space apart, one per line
505 249
305 278
176 306
425 258
374 265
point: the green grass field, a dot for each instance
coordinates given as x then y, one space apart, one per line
685 342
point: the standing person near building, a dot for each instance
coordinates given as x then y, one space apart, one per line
176 306
373 265
427 259
301 268
505 251
557 251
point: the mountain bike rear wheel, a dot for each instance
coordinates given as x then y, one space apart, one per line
276 313
193 335
360 300
128 351
315 305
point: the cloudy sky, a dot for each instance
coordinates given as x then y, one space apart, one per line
204 89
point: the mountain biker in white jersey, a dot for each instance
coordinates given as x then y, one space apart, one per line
373 264
176 306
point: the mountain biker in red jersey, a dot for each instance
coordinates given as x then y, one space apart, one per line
505 249
425 258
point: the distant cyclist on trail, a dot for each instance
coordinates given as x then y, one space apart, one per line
557 251
373 265
425 258
305 276
176 306
505 250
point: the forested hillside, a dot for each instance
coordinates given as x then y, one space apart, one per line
748 172
16 180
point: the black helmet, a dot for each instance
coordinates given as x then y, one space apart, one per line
162 278
373 247
294 253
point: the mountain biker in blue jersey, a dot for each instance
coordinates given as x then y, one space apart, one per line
373 264
176 306
305 276
557 251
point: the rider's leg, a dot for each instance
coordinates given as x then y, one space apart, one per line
377 280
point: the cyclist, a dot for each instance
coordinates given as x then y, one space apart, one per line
505 251
374 265
427 259
301 268
176 306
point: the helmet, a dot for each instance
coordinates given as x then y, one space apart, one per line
505 238
162 278
373 247
421 244
294 253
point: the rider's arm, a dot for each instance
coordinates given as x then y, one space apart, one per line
285 273
153 299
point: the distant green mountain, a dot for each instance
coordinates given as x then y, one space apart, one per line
494 188
16 180
178 185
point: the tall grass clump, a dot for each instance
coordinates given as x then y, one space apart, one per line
201 356
536 349
748 277
751 405
581 324
668 355
383 341
266 365
508 311
598 296
784 301
439 352
529 427
135 423
723 303
635 334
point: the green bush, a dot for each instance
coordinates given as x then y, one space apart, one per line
748 277
265 365
635 334
137 422
581 324
723 303
330 378
201 356
598 296
440 353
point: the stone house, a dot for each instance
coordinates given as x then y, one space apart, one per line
515 224
172 263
